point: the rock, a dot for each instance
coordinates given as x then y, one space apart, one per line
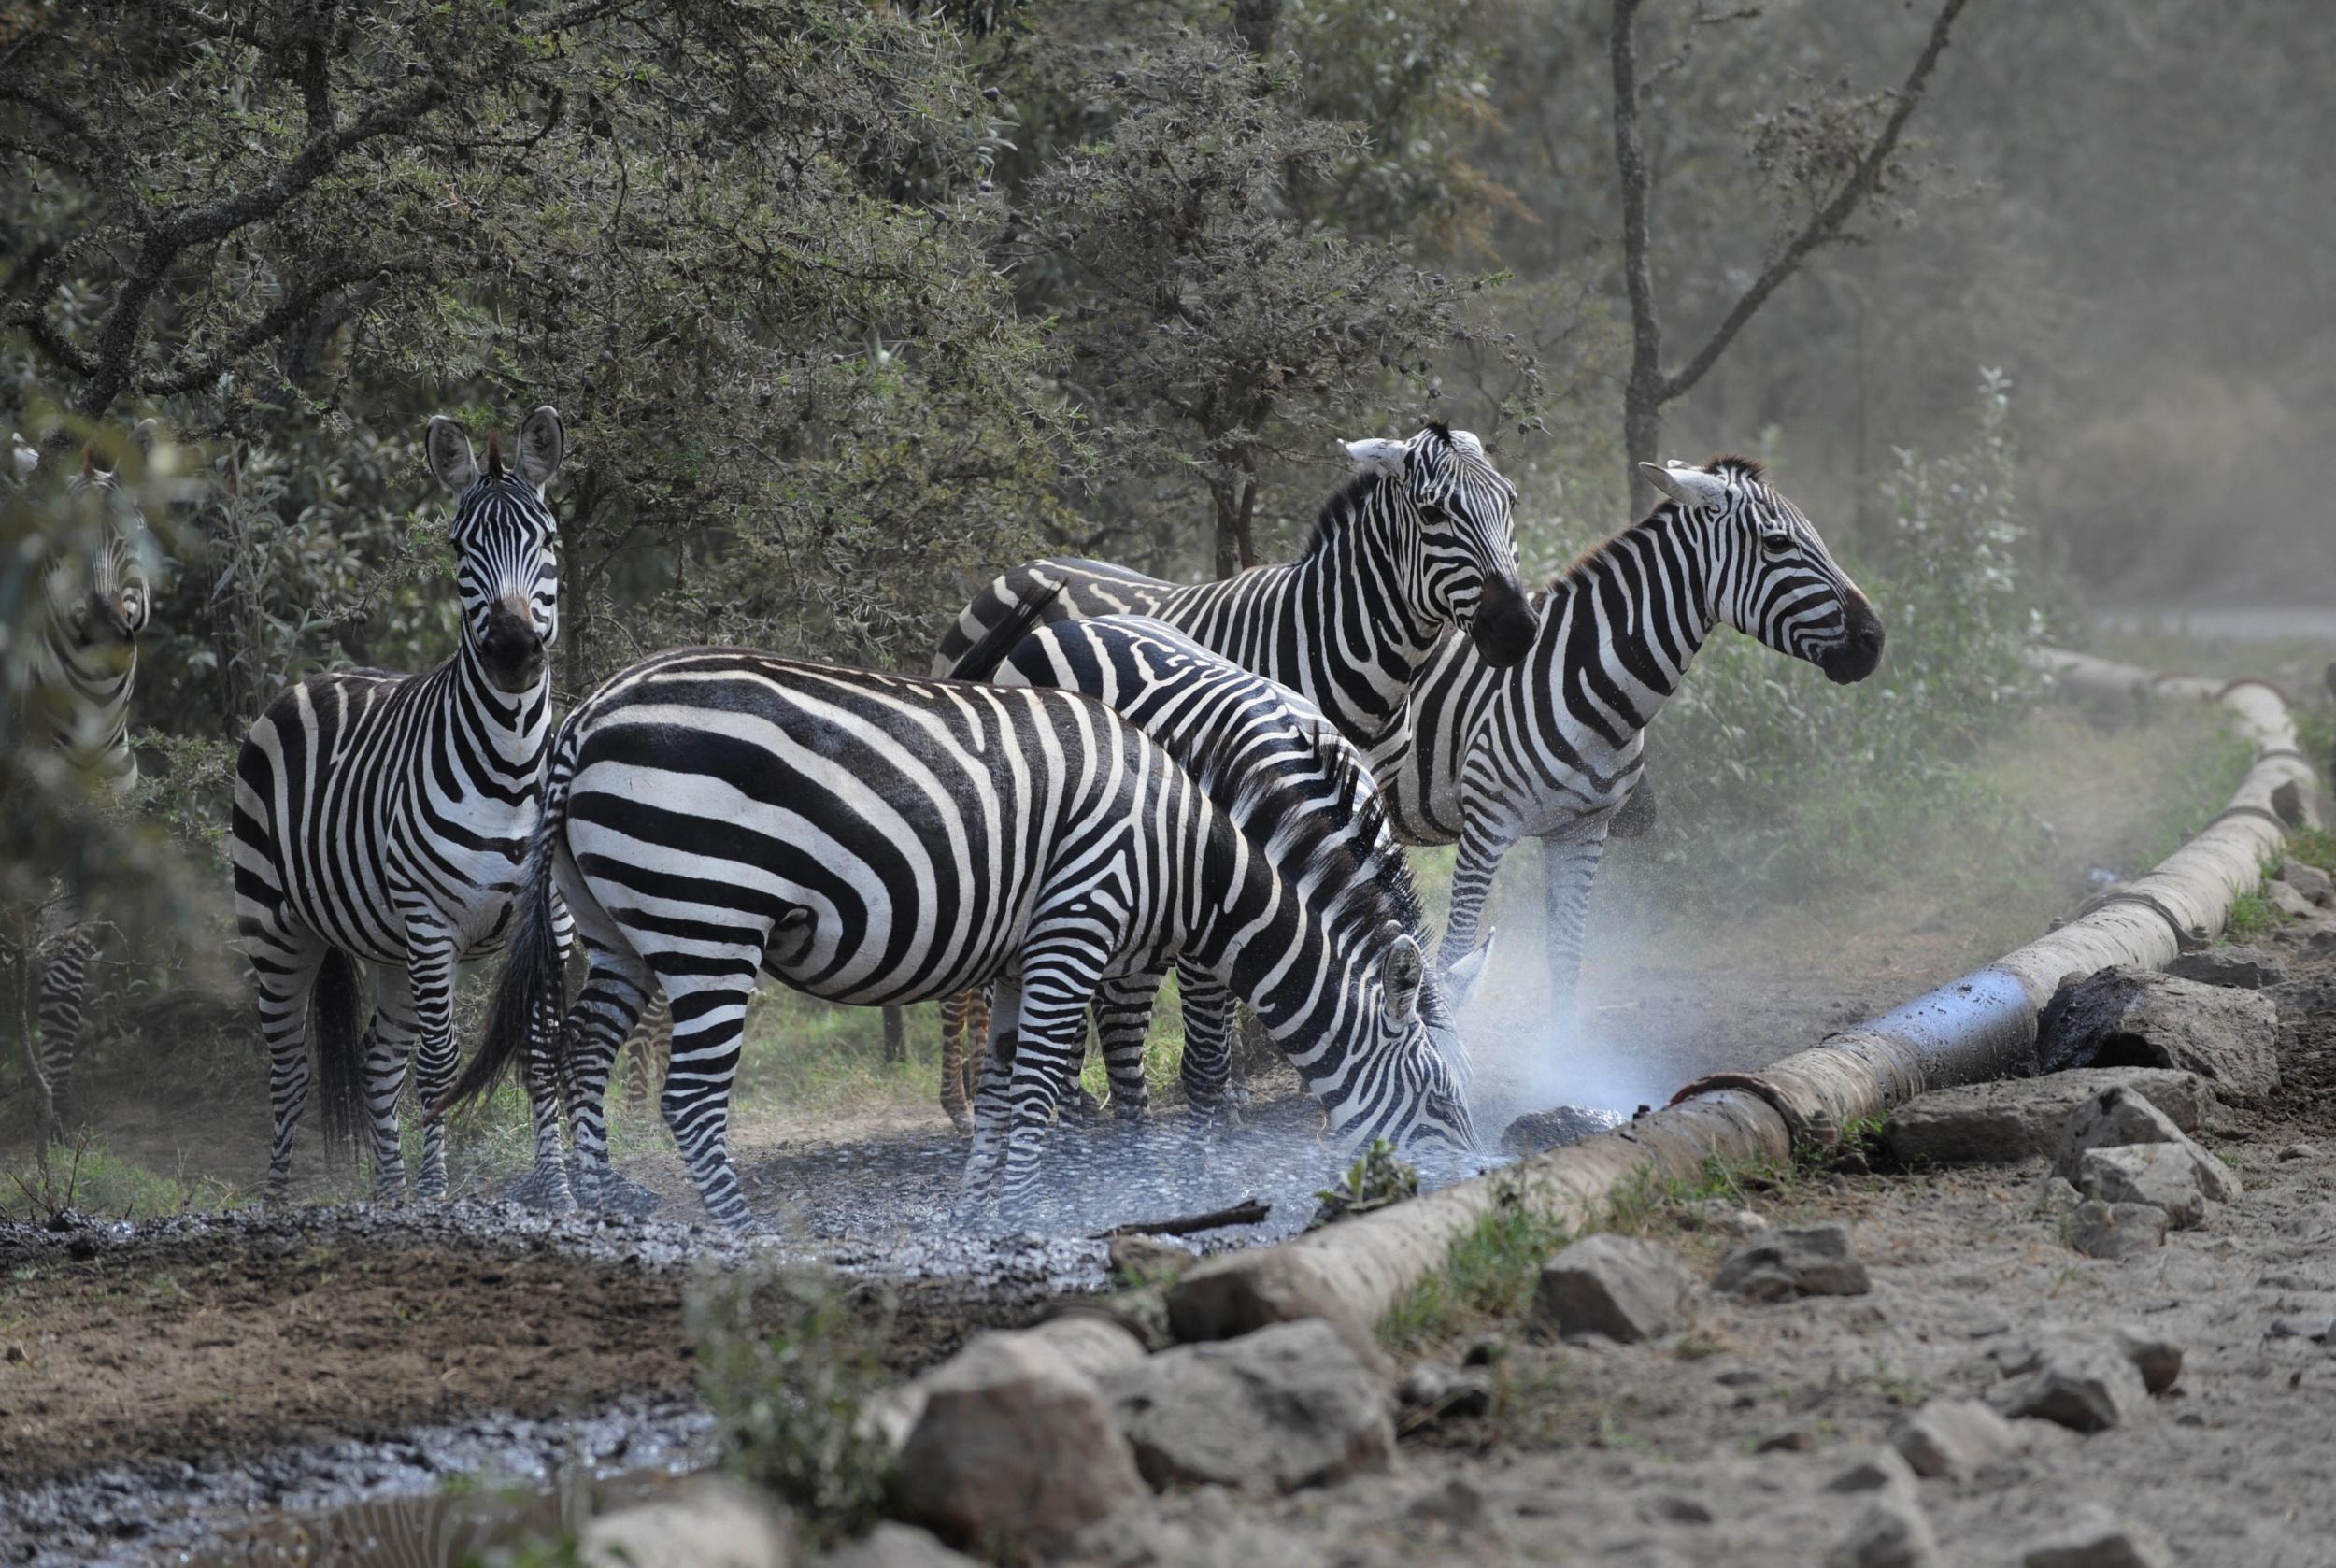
1892 1533
2084 1385
1089 1341
708 1523
1798 1440
2161 1176
1435 1390
1621 1287
2157 1358
2095 1538
1456 1502
2299 1151
2318 1330
1285 1407
2126 1017
2113 1231
1953 1438
1014 1444
1719 1214
896 1546
1882 1470
2289 900
1807 1260
1135 1260
2120 1118
1537 1131
2244 965
2309 880
2057 1197
2011 1119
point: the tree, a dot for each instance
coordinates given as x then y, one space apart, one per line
1820 155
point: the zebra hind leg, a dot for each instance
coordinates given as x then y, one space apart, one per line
1206 1069
964 1014
709 1014
63 982
616 996
285 979
1123 1024
1049 1044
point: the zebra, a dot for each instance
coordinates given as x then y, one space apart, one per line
1550 747
1205 710
710 814
96 601
1419 541
380 819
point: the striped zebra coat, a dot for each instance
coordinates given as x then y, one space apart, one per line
1234 729
381 819
96 601
1550 747
715 813
1418 543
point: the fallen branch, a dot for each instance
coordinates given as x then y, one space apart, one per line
1249 1211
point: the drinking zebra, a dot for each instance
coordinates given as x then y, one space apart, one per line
1550 747
380 819
1205 710
712 814
95 600
1420 541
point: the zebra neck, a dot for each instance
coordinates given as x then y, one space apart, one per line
83 695
1628 619
1254 930
1359 589
514 725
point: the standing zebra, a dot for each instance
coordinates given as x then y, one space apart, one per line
381 819
95 600
1221 723
1550 749
1418 542
711 814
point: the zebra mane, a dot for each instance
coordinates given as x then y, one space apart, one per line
1338 510
1745 467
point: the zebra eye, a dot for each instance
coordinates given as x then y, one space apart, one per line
1777 542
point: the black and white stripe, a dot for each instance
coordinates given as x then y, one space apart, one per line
381 819
1237 730
96 601
711 815
1550 747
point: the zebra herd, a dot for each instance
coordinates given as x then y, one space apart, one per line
1106 777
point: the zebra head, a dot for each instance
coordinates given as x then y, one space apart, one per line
99 598
1465 571
506 539
1767 573
1432 1107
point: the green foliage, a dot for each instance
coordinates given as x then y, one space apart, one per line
1488 1277
2250 916
86 1177
1376 1179
791 1402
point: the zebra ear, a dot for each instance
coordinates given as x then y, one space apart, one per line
1460 981
1377 457
1405 972
543 444
447 450
1692 488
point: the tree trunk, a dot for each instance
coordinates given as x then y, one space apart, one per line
895 1034
1643 391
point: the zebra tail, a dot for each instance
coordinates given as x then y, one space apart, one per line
982 661
335 1025
534 985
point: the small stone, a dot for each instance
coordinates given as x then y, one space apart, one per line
1883 1470
2299 1151
2120 1118
1627 1288
2309 880
1719 1214
1456 1502
711 1523
1538 1131
1436 1390
2129 1017
896 1546
2095 1538
2249 968
1953 1438
1806 1260
2114 1230
2083 1385
1139 1260
2320 1330
2013 1118
2287 899
14 1355
1672 1508
2057 1197
2161 1176
1891 1533
1799 1440
2157 1358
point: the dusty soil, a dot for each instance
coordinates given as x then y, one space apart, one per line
1651 1454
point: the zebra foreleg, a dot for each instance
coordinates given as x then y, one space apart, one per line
1206 1071
389 1047
64 981
1481 848
1124 1023
1569 869
1049 1044
964 1017
285 981
993 1107
430 974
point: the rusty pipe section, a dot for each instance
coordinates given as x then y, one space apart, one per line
1980 1026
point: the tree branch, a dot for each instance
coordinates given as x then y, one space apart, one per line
295 310
1825 224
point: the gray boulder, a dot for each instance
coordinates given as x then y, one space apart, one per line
1014 1445
2161 1176
1621 1287
1889 1534
2085 1384
2013 1119
2120 1118
1554 1128
1806 1260
2113 1231
2095 1538
2309 880
2244 966
896 1546
708 1523
1953 1439
2288 900
1285 1407
2124 1017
